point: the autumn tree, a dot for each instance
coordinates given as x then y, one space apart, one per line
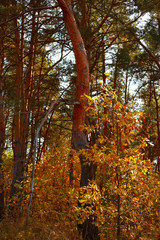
79 139
95 126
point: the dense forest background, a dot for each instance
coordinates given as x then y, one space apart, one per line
79 119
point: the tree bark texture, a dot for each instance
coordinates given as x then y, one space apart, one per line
2 126
79 139
18 161
22 103
158 128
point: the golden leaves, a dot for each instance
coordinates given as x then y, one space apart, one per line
129 185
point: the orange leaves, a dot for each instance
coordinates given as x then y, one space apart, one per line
90 198
129 186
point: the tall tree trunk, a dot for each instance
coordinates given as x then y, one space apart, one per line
25 117
18 171
2 126
158 128
18 161
22 105
79 139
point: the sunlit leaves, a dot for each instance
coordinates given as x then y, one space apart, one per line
127 185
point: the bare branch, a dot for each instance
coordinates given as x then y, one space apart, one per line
69 102
34 156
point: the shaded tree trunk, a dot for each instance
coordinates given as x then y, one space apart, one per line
22 104
79 139
2 126
27 89
18 161
158 129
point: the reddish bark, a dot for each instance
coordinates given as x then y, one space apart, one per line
27 93
79 139
22 103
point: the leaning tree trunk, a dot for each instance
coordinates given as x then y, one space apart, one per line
79 139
